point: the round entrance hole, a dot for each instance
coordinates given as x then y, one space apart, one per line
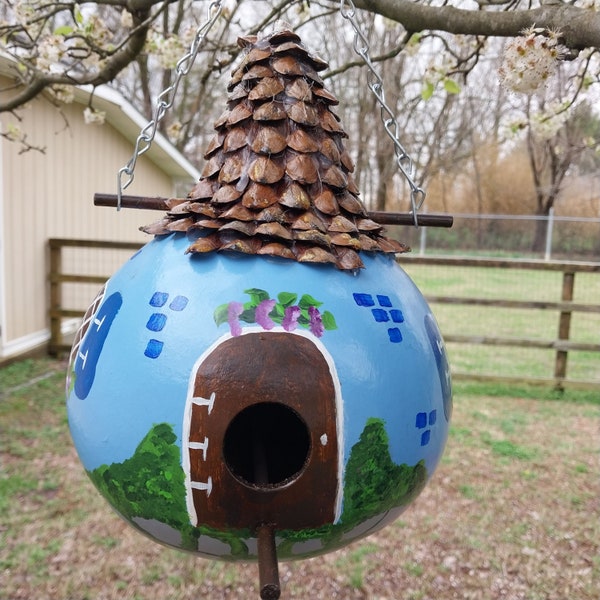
266 445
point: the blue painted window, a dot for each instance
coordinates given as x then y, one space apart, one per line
384 313
397 315
159 299
364 299
395 335
153 349
432 417
380 315
384 301
421 420
92 344
425 437
178 303
437 345
156 322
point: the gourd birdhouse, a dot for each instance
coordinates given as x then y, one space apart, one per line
264 359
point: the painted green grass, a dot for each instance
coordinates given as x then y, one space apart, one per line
536 324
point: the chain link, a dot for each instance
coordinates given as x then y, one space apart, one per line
375 83
361 46
165 100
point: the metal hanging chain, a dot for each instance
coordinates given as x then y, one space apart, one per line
165 100
375 83
361 46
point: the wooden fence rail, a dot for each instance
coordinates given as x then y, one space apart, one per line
563 308
56 277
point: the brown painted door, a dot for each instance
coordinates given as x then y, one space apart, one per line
263 444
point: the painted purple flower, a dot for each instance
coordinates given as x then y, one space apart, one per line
316 323
290 318
234 310
261 315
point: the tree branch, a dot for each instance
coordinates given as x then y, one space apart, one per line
580 27
375 59
113 66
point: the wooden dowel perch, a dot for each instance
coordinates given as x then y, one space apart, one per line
268 570
165 204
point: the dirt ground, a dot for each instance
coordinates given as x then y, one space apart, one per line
512 512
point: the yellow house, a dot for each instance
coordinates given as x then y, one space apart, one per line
49 194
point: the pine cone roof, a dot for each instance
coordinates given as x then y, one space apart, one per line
278 180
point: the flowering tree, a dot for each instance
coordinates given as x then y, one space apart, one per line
60 43
427 50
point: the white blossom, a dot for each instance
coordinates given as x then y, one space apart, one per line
187 36
62 93
92 116
95 29
25 11
546 124
438 69
50 52
530 60
170 50
26 14
167 50
126 19
174 132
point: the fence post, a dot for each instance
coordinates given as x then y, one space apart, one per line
423 241
549 229
55 296
564 327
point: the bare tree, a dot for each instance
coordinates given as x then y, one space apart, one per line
552 158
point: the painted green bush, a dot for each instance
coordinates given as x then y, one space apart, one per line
151 485
374 483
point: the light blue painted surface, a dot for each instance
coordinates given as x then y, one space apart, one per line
170 298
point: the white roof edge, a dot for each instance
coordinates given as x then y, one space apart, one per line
111 101
121 114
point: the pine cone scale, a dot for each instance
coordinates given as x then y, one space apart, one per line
278 180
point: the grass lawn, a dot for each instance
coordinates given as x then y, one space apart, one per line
492 321
512 512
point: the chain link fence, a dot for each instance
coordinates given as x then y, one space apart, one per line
519 236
